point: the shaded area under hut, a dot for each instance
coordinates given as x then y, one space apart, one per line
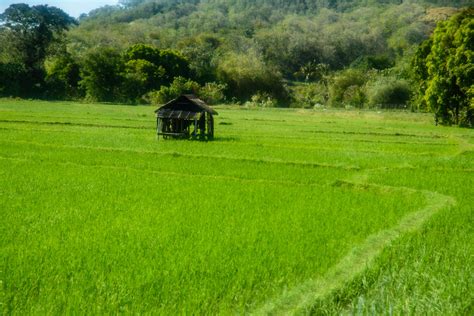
185 117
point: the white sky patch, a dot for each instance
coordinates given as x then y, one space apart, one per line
72 7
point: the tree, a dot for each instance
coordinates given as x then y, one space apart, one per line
147 68
101 74
175 64
62 76
172 62
448 70
420 71
201 53
141 76
29 32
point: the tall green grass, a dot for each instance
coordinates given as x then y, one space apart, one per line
100 217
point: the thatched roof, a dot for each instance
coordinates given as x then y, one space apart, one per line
185 103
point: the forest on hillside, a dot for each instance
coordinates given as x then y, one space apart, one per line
308 53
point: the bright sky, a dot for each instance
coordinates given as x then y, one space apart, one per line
72 7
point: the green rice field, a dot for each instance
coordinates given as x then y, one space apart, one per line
286 212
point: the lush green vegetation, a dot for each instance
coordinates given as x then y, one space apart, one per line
340 53
321 211
313 210
444 65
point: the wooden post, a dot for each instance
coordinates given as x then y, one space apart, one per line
195 126
157 127
211 126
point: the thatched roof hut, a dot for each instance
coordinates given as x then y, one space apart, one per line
185 117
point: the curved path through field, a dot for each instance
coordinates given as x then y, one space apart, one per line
300 299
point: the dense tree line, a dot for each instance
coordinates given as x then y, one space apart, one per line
341 53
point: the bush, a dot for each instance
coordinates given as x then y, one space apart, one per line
12 76
212 92
247 75
178 87
309 95
389 93
348 88
261 99
379 62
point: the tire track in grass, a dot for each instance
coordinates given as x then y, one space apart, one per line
300 299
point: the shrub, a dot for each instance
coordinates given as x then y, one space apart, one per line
309 95
247 75
389 93
212 92
178 87
11 78
378 62
261 99
348 88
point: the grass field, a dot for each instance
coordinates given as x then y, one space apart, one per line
287 211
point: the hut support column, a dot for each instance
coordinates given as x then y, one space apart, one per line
195 126
158 127
210 126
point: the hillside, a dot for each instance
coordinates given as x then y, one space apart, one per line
287 34
271 41
268 53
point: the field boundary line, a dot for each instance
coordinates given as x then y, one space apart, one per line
70 117
178 154
300 299
75 124
171 173
250 160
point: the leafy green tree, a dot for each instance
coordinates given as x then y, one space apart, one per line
420 71
171 63
140 77
143 52
101 73
201 51
448 70
30 31
62 77
175 64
